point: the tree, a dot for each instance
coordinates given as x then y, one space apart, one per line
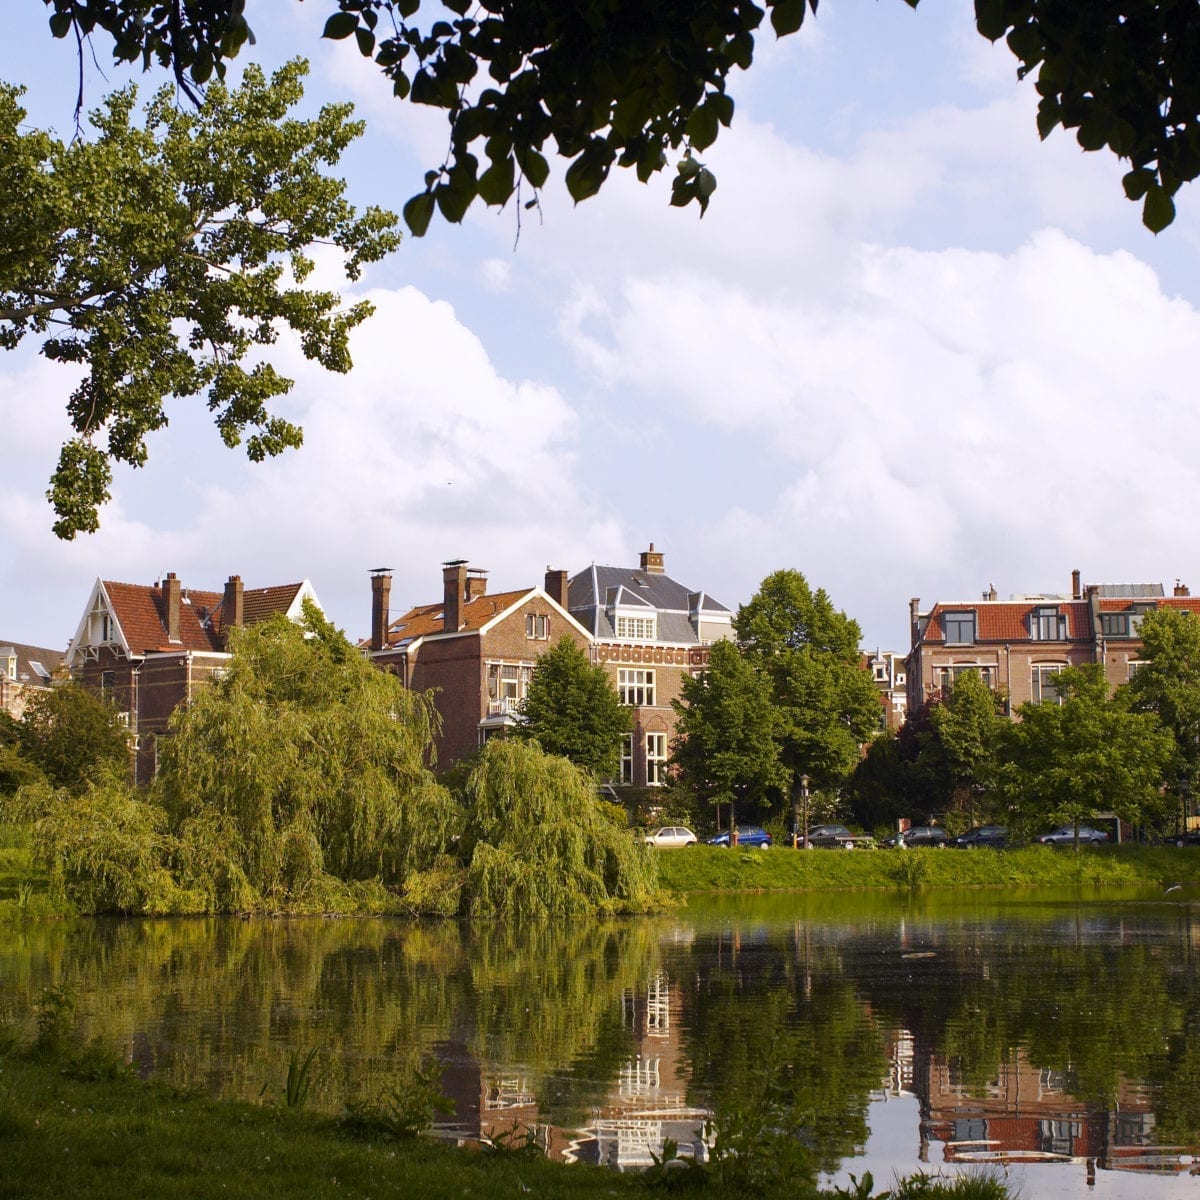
825 702
625 83
572 709
966 727
302 766
72 736
160 257
725 745
1169 685
1088 753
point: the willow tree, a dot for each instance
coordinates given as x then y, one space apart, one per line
539 842
301 766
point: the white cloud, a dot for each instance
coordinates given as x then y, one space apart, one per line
496 274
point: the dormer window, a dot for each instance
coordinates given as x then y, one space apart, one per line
1047 624
637 629
10 666
959 628
1114 625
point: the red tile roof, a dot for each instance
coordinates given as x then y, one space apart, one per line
427 620
1008 620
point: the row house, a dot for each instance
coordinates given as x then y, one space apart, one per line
149 647
888 673
1019 645
476 650
24 672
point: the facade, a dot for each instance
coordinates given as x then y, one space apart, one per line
24 671
649 632
888 672
474 649
1019 645
149 647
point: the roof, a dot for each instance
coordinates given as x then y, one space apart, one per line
141 612
595 594
427 620
1008 620
35 664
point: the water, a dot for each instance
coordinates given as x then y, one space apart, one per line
930 1033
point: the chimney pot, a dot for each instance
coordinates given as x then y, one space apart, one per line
652 561
172 593
1076 588
233 607
381 590
454 592
556 587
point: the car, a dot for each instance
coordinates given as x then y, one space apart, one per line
667 836
747 835
993 836
1185 837
832 837
1064 835
919 835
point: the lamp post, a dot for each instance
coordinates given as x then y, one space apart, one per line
804 804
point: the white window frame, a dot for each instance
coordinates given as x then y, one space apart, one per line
635 686
626 775
656 759
1048 623
537 627
1041 691
637 628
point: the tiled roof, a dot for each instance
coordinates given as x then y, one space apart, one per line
1008 620
35 664
427 620
1128 603
141 611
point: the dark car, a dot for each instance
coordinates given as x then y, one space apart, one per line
1188 837
992 836
1064 835
919 835
747 835
833 837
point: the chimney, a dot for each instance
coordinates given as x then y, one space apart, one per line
381 590
172 592
233 609
1076 590
1182 589
476 583
652 561
454 592
556 587
914 606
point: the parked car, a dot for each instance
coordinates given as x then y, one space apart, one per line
1189 837
919 835
993 836
671 835
832 837
747 835
1064 835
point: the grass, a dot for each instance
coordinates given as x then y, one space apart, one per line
112 1137
716 869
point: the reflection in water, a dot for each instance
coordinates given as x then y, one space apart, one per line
1035 1031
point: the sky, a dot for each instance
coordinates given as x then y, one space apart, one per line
910 351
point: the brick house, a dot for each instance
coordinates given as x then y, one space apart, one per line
1019 645
151 646
474 648
649 632
25 671
888 674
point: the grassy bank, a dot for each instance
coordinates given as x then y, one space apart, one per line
119 1138
716 869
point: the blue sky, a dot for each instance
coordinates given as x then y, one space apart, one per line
910 351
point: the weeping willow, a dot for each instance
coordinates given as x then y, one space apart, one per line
539 842
301 770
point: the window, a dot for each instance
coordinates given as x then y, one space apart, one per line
1047 624
1043 689
107 679
635 686
507 686
946 676
881 672
656 759
537 625
636 628
10 666
1135 665
627 759
959 627
1114 624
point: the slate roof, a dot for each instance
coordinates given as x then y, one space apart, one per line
141 611
427 620
35 664
591 593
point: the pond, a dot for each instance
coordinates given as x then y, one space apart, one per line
1054 1037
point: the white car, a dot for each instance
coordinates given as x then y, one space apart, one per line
671 835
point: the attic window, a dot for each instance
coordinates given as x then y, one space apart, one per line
641 580
640 629
38 668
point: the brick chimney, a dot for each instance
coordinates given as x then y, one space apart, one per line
1182 589
652 561
381 592
1076 585
454 592
476 582
233 608
172 592
914 607
556 587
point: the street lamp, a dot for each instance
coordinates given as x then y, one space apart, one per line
804 803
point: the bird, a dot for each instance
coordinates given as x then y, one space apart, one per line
1175 887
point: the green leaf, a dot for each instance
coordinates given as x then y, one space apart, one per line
406 8
497 182
533 165
787 16
1093 133
990 19
1158 211
60 24
586 174
453 199
702 127
722 105
366 41
1137 182
418 212
340 25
